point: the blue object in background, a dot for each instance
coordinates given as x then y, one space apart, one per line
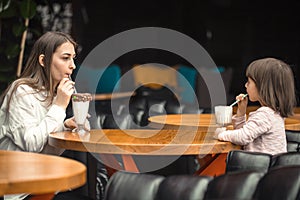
189 76
99 80
109 80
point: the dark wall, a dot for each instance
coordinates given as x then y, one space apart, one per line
233 32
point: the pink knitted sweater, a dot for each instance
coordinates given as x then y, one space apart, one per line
264 131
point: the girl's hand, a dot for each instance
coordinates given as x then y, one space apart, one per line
64 91
218 131
242 105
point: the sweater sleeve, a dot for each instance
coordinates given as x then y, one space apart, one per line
258 123
238 122
29 126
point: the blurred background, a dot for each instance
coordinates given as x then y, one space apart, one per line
233 32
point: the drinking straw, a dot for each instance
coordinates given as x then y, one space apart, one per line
238 100
75 91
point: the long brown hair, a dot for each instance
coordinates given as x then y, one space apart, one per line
275 84
34 75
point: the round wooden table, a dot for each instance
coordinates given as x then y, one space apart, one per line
202 121
142 142
184 121
38 174
109 142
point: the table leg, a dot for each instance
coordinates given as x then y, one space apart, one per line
212 165
129 163
111 163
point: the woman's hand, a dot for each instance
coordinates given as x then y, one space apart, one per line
242 105
71 123
64 91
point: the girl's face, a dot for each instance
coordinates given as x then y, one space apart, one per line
252 90
62 64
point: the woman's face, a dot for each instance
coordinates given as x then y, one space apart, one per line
252 90
62 64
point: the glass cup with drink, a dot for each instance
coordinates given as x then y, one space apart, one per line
80 104
223 115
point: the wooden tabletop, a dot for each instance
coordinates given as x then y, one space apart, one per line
33 173
115 95
187 121
142 142
202 121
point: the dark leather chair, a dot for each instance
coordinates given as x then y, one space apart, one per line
239 160
280 183
238 185
277 183
293 141
131 186
285 159
148 102
183 187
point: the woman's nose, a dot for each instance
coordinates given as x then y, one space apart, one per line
72 65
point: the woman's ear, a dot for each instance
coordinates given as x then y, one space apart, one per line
41 60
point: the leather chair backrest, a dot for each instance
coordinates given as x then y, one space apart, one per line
148 102
183 187
286 159
238 185
293 141
130 186
279 183
239 160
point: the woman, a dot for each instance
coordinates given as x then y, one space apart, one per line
35 104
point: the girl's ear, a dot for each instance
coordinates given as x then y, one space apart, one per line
41 60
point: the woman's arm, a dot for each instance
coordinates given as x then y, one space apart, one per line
29 121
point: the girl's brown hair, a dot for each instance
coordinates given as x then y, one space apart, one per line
36 76
275 84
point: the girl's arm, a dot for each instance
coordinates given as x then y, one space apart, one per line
258 123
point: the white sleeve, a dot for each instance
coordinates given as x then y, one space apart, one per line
29 126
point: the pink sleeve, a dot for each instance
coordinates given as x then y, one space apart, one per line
238 122
258 123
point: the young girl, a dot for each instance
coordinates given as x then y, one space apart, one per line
271 83
35 104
